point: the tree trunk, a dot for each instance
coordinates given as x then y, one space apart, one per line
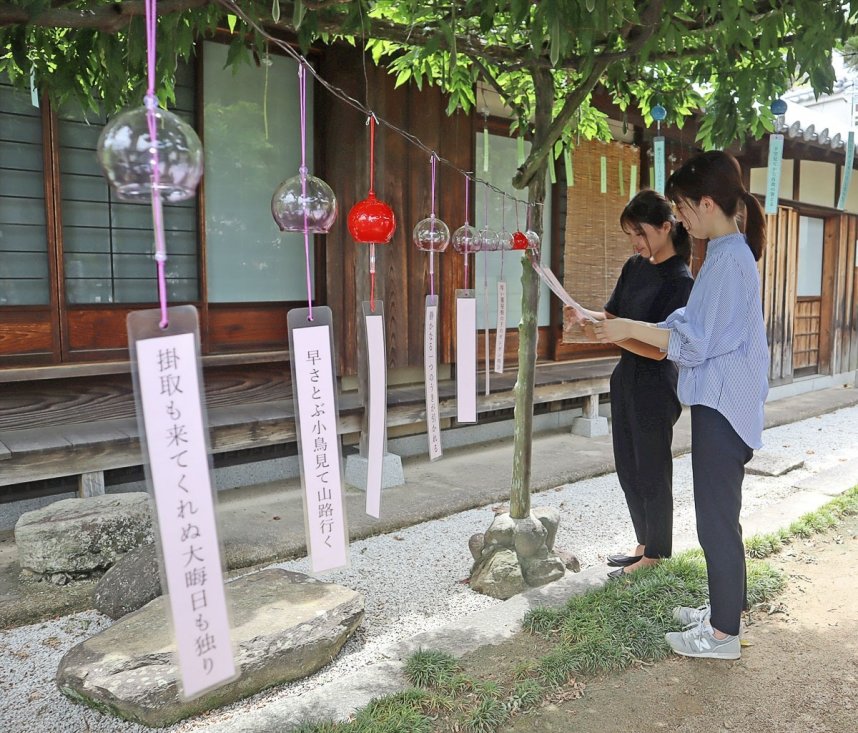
519 503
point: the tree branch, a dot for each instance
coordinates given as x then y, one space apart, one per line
99 16
493 83
539 152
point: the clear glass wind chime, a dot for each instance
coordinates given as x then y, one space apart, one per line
150 154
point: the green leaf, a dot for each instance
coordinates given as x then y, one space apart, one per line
231 21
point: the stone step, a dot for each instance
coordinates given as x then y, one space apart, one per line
833 481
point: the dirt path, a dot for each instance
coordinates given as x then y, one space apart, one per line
799 673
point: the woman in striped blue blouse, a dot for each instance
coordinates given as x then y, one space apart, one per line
719 342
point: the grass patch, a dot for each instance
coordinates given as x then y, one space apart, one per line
603 631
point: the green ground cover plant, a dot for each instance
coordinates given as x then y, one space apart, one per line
602 631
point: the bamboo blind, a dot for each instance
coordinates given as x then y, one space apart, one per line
595 247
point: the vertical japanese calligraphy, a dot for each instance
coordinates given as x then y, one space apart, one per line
321 467
430 367
466 355
500 330
176 446
377 409
658 159
773 180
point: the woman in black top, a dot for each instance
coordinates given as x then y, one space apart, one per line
654 282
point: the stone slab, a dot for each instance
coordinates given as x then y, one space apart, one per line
767 463
285 626
82 535
833 481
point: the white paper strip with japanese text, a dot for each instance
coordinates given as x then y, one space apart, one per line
376 356
773 178
500 330
658 159
466 356
430 368
847 171
314 395
176 450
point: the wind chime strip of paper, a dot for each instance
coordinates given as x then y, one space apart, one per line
430 349
552 173
776 154
314 396
603 177
175 446
486 295
500 324
570 171
847 170
376 391
486 142
658 114
520 149
311 351
550 279
621 176
430 368
633 181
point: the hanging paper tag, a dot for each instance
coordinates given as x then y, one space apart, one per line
846 179
500 330
550 279
658 159
520 149
633 181
622 181
552 173
485 150
34 92
314 397
376 423
773 183
570 171
466 356
430 367
603 185
171 418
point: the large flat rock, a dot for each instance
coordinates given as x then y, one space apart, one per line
285 626
767 463
832 481
82 535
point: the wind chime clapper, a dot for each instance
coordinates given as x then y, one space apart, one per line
776 154
658 113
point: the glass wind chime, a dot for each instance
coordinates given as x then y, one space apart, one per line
372 222
150 154
431 235
658 114
306 204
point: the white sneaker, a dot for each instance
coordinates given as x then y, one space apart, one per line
699 641
687 616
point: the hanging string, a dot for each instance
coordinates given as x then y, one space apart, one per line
467 256
234 9
151 104
432 237
371 123
302 96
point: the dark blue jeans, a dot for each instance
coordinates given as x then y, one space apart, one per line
718 458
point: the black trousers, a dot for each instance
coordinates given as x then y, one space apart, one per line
644 409
718 458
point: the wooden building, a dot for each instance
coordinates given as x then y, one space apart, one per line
74 261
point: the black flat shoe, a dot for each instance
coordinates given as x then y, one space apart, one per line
622 561
618 574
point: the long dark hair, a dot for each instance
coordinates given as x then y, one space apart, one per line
717 174
650 207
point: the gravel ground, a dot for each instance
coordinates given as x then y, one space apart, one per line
411 580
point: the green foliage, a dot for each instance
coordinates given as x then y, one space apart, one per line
430 668
730 58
